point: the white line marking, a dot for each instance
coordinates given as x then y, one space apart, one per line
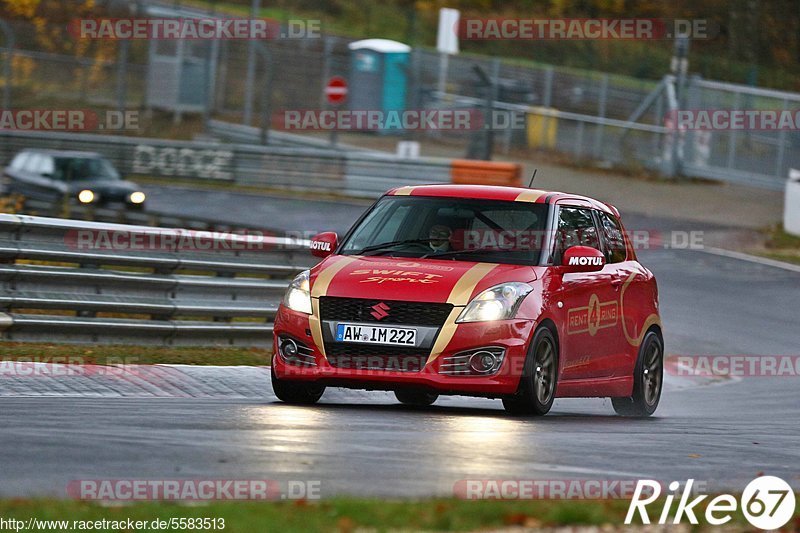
751 258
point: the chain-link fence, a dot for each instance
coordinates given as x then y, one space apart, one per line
759 156
585 115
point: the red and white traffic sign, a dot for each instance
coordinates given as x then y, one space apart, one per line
336 90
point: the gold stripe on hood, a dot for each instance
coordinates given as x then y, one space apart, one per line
324 278
463 288
320 288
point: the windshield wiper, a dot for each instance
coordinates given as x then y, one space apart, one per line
391 244
460 252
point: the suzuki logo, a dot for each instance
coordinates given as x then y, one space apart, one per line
379 311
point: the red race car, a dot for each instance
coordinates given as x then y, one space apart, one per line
500 292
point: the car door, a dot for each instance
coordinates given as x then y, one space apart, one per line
621 267
589 309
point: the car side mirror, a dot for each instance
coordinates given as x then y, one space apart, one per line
324 244
583 259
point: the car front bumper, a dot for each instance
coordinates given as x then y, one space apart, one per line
511 336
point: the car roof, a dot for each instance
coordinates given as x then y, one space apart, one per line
499 192
63 153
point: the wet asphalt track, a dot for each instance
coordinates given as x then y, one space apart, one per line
364 443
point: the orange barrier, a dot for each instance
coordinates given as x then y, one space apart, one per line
472 172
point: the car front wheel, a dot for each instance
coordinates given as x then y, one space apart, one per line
648 379
296 392
537 386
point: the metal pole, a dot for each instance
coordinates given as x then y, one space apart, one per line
444 60
493 95
7 70
679 66
122 76
548 87
781 143
266 93
733 134
601 113
250 78
326 74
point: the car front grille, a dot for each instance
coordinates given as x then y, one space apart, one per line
366 357
398 312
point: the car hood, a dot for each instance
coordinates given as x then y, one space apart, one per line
407 279
104 186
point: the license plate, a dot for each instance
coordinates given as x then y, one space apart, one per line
376 335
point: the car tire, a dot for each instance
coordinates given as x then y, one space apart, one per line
416 398
296 392
537 385
648 379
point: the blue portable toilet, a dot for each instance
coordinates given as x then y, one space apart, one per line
378 75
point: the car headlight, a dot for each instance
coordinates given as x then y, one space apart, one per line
298 295
86 196
137 197
496 303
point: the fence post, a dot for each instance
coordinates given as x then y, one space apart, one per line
781 142
122 76
250 77
326 75
266 93
732 135
601 113
7 67
547 99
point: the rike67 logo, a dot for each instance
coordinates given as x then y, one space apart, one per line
767 502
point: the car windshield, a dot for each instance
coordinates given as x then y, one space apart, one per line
84 168
451 228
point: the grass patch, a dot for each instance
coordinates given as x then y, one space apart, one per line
780 246
778 239
122 354
349 514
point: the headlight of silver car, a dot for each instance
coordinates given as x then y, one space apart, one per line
298 295
496 303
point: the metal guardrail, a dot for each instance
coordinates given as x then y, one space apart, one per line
244 134
123 215
363 174
87 282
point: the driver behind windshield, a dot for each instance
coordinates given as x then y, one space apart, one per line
439 236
